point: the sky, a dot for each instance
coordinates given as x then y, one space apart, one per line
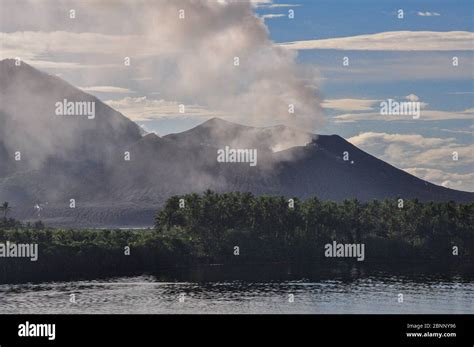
290 52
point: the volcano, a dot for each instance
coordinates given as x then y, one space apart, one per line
118 176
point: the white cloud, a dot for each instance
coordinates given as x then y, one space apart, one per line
350 104
144 109
427 14
107 89
30 45
272 15
393 41
375 138
267 5
430 158
459 131
396 66
412 97
446 179
425 115
41 64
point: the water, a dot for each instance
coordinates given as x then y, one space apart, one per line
211 290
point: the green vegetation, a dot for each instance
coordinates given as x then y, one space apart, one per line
76 253
266 230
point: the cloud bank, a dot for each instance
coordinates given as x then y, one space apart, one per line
393 41
430 158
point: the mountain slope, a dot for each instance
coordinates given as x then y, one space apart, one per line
323 169
218 133
70 157
30 125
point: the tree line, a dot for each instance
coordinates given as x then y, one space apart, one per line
281 229
209 228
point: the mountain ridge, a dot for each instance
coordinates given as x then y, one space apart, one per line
86 160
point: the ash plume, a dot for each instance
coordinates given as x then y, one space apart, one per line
184 51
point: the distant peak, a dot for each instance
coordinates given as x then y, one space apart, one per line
218 121
9 66
10 62
7 61
150 136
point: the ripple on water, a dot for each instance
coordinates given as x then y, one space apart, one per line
375 294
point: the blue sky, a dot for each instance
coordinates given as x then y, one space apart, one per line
408 59
328 18
382 74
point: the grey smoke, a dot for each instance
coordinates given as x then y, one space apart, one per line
189 60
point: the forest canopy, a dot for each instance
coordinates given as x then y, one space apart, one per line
204 229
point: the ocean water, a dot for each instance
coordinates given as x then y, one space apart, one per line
216 289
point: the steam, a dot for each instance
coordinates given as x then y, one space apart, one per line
189 59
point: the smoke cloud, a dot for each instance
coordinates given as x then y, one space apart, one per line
215 54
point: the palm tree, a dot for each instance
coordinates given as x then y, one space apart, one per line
5 208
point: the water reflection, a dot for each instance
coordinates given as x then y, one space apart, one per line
255 289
